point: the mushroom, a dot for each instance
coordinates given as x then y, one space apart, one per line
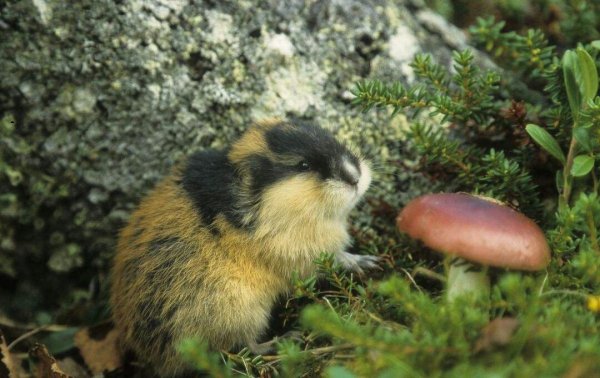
475 229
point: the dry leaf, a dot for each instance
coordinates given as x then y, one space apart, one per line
498 332
98 347
7 366
47 367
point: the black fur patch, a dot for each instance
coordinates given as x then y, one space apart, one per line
313 144
164 339
152 328
167 255
171 312
99 331
147 326
209 179
301 138
264 173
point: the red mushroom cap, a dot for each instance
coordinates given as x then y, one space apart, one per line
476 229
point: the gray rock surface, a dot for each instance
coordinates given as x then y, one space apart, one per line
99 98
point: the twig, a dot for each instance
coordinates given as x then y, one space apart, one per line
410 277
4 321
26 335
330 349
428 273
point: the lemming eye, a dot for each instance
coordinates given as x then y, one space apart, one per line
303 165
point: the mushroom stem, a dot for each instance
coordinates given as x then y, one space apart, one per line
466 278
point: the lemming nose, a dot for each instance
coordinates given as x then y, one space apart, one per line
349 173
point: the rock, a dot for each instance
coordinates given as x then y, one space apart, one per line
106 103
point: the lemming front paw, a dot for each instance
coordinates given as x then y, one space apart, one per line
358 263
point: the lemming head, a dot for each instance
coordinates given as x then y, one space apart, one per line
297 162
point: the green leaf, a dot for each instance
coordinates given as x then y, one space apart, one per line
582 165
338 372
582 136
546 141
60 341
596 44
586 74
569 63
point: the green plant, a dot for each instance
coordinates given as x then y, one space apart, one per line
581 83
468 101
